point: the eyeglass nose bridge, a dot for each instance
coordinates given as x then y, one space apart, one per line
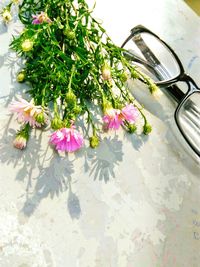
192 86
182 76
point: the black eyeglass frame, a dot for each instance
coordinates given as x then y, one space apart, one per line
179 96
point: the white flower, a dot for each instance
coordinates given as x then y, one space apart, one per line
16 1
27 45
7 17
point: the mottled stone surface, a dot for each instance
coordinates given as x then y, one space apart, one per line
134 201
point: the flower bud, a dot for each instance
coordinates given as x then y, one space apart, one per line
21 76
134 74
56 123
147 129
71 117
124 77
106 73
20 142
131 128
153 88
70 99
40 118
106 105
69 34
77 110
22 137
27 45
7 17
94 141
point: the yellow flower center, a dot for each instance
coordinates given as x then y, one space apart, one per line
27 45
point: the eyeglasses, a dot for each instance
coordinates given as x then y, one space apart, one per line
157 59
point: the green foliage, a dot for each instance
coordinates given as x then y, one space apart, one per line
65 57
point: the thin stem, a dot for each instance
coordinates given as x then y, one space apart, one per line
90 120
55 107
71 77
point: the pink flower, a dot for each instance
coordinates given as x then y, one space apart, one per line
20 142
26 111
113 118
130 113
40 18
67 139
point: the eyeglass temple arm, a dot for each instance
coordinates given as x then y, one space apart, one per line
150 57
148 54
173 90
131 56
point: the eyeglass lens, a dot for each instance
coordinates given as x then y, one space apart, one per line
151 49
188 119
163 66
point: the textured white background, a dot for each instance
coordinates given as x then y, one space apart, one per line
134 201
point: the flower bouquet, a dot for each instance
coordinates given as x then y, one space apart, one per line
73 69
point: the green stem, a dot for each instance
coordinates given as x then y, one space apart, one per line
90 120
71 77
55 107
43 96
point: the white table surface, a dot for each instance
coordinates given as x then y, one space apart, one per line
133 202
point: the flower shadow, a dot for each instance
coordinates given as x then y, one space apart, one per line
23 161
12 64
102 161
73 203
136 140
3 26
2 60
51 181
44 172
159 104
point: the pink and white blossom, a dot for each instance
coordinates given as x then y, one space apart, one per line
130 113
113 118
26 111
20 142
40 18
67 139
